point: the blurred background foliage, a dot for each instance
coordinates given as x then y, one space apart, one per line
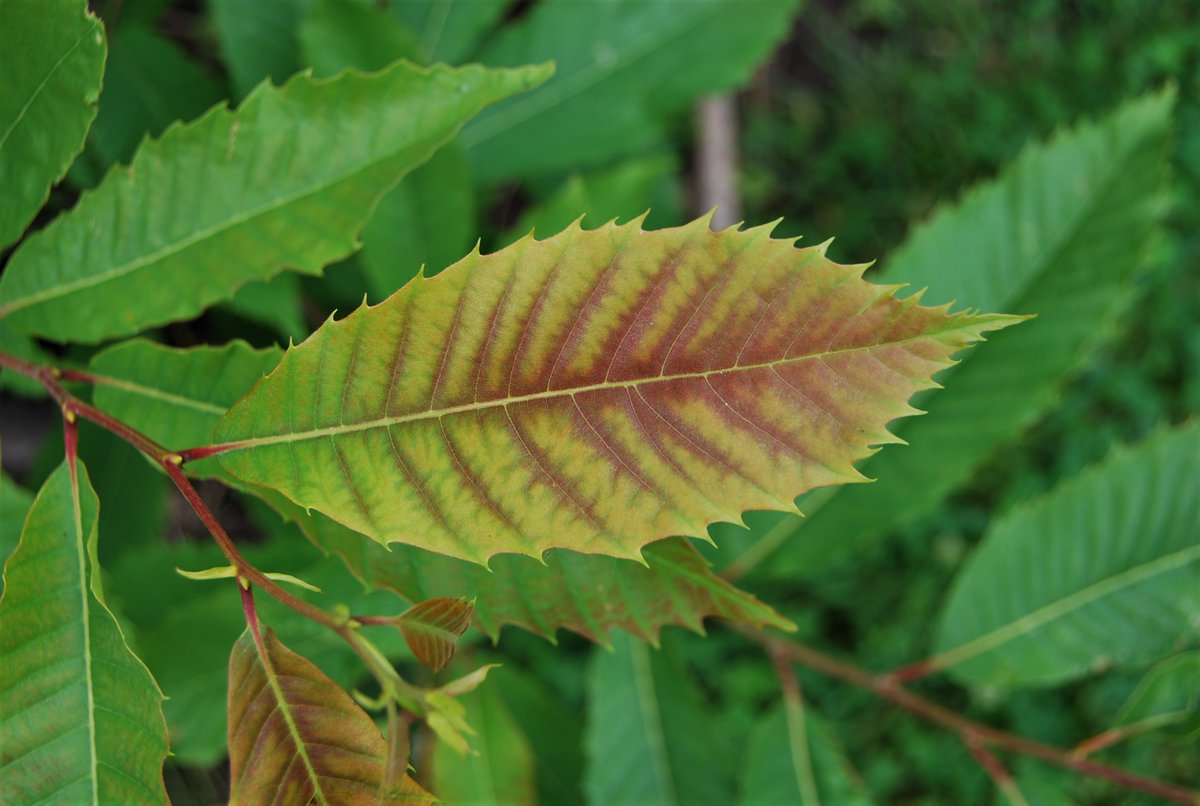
858 118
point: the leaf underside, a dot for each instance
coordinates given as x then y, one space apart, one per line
286 180
432 628
172 394
80 717
596 391
1103 570
296 737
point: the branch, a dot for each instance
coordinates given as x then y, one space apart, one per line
974 733
172 463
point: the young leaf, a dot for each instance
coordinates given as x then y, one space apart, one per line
793 757
80 717
1059 234
53 63
293 732
287 180
639 62
596 391
502 768
647 738
432 628
1103 570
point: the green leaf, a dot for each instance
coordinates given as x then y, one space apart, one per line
1059 234
431 629
177 396
501 770
625 191
647 738
149 83
287 180
794 758
336 34
1104 570
596 391
275 303
14 506
294 731
429 218
53 63
588 595
258 40
553 728
448 30
81 718
623 67
1169 696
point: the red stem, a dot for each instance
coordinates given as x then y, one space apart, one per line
888 688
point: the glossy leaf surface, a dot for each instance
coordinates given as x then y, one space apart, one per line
1059 234
288 180
1103 570
53 63
80 717
597 390
295 736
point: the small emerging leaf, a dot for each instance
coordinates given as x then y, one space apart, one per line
295 736
431 629
229 572
468 682
596 391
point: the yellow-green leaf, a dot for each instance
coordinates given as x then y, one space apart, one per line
596 390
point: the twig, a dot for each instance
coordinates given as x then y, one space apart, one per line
887 687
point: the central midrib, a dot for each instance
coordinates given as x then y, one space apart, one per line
431 413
